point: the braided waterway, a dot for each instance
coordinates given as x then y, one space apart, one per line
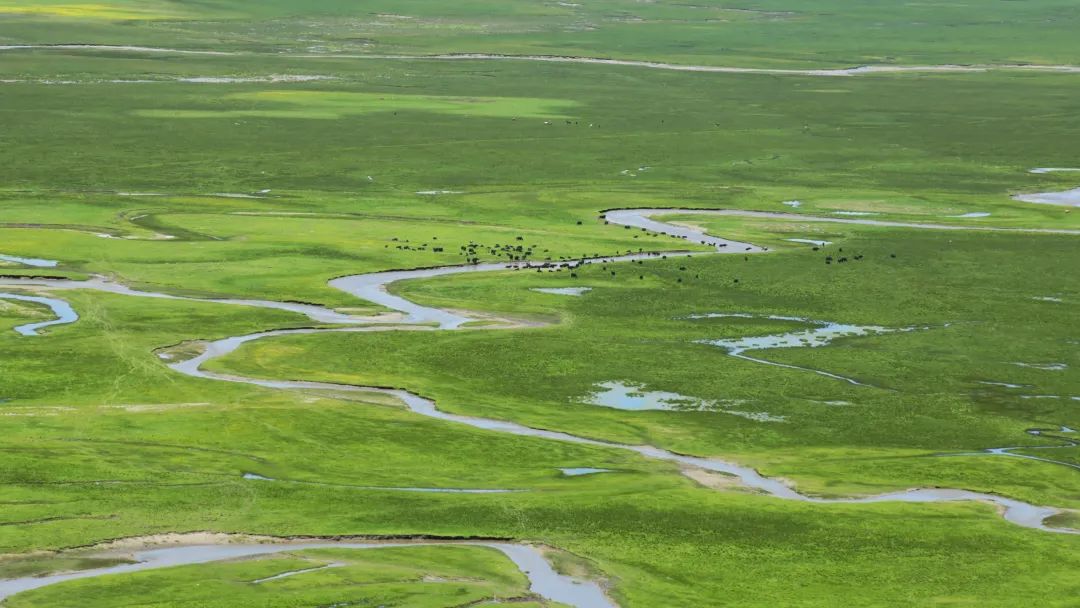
416 317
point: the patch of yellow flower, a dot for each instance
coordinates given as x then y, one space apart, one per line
141 10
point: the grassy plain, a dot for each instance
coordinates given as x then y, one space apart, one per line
633 327
242 176
771 33
426 577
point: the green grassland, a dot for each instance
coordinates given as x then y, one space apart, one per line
415 576
632 327
927 143
774 33
236 176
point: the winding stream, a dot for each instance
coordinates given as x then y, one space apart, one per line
543 579
318 314
1012 451
373 287
63 311
1015 511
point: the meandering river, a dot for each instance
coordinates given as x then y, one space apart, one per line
373 287
543 579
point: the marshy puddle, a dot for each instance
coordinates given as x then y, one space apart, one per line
810 242
64 313
756 416
1046 367
634 397
579 471
821 335
563 291
972 214
1047 299
235 195
1066 198
295 572
1003 384
1052 170
792 204
36 263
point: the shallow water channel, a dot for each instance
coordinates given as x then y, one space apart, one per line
34 262
543 579
373 287
64 312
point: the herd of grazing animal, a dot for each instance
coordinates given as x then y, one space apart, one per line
523 256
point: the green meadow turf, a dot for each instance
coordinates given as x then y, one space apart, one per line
771 33
133 449
414 576
267 187
912 143
972 303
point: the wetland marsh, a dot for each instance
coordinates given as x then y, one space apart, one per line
598 305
